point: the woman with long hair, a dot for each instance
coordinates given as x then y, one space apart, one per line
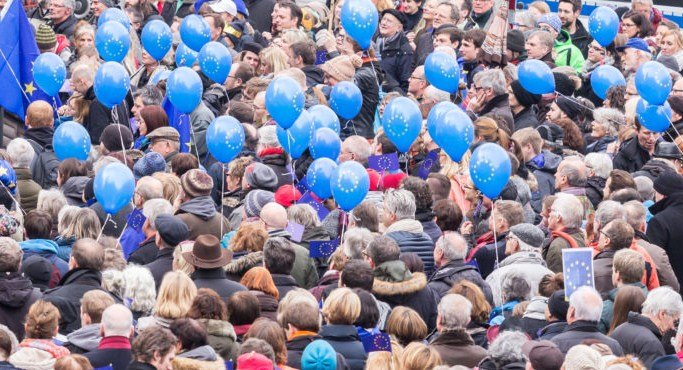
151 118
260 283
176 293
628 299
74 224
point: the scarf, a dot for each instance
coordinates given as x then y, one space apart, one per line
589 67
383 41
409 225
46 345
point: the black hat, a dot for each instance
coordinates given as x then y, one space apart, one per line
398 15
570 106
668 182
38 269
524 97
667 150
171 229
557 305
253 47
516 41
116 137
563 84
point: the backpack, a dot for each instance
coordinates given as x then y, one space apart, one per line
44 166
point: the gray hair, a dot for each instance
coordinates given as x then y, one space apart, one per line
526 18
644 2
492 78
634 213
570 209
600 163
432 93
113 281
515 287
149 188
357 145
268 137
139 288
507 347
401 203
355 242
155 207
663 299
645 187
587 304
455 311
453 246
10 255
20 152
150 95
455 12
71 4
303 214
610 119
51 201
575 170
544 37
117 320
609 211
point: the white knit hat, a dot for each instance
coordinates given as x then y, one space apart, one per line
582 357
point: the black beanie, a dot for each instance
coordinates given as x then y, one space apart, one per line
557 305
668 182
524 97
515 41
563 84
570 106
113 140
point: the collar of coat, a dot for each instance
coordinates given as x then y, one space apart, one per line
414 284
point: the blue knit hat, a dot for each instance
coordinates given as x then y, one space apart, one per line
149 164
670 362
552 20
319 355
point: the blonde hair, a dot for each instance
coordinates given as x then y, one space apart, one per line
294 296
342 307
418 356
293 35
171 185
541 6
176 293
406 325
85 224
678 38
274 58
179 263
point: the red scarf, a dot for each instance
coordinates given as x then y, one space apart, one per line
114 342
271 151
46 345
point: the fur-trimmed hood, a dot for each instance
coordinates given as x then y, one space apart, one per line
416 283
241 265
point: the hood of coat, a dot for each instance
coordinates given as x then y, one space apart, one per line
15 289
315 233
414 284
339 332
202 207
32 358
546 161
267 302
87 337
203 353
39 246
41 135
523 257
219 328
73 189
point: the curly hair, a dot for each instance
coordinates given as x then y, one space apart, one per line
616 97
250 237
208 305
420 189
153 341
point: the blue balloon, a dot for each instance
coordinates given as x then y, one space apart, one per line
114 187
402 122
437 114
442 71
184 56
536 77
325 143
653 82
225 138
605 77
112 41
194 32
49 72
184 89
349 184
490 169
116 15
71 140
324 116
284 101
161 76
454 133
157 39
295 140
319 175
654 117
603 25
346 99
215 61
359 18
111 84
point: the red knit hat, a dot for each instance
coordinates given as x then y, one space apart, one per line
254 361
375 180
287 195
393 180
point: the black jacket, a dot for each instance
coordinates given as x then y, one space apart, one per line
486 255
594 190
296 346
449 274
314 75
665 231
578 331
161 265
581 38
500 106
641 337
369 77
99 116
424 45
135 365
145 254
169 10
631 156
40 135
278 162
671 134
67 296
525 118
215 279
284 283
397 62
67 27
259 14
345 341
17 294
551 330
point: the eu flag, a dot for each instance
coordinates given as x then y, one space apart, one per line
18 50
180 122
577 267
133 235
384 163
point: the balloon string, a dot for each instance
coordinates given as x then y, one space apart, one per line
222 192
495 247
115 115
107 219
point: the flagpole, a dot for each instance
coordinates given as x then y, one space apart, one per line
2 126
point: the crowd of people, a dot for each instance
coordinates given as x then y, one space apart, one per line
215 266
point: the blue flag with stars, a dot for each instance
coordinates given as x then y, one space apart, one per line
133 235
180 122
322 248
375 340
18 51
577 266
384 162
317 205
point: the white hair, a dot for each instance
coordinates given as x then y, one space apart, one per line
663 299
20 152
569 208
355 242
455 311
610 119
401 203
432 93
51 201
507 347
103 161
644 2
645 187
634 213
268 137
453 246
139 289
587 304
492 78
113 282
600 163
155 207
117 320
608 211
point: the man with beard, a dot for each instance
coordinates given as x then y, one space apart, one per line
636 53
635 152
569 11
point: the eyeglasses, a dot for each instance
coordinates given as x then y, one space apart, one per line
597 49
629 25
604 234
546 29
416 78
677 91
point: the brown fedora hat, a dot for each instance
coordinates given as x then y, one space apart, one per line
207 253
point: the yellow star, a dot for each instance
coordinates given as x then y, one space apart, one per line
30 88
3 171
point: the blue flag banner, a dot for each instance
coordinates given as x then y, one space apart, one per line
384 162
180 122
132 236
302 185
428 163
375 340
229 365
319 207
577 267
322 248
18 51
105 368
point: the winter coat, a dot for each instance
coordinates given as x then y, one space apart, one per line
146 252
304 271
528 265
200 358
600 145
152 322
17 294
37 354
553 246
67 27
297 344
397 286
543 166
451 273
115 350
222 338
113 229
581 38
470 69
314 75
161 265
267 303
368 78
488 256
641 337
664 229
238 267
551 330
608 307
567 53
215 279
602 271
200 216
456 347
316 233
631 156
345 341
260 11
500 106
200 118
664 270
28 189
284 284
276 159
490 364
525 118
4 365
652 169
99 116
429 225
84 339
67 296
328 282
594 189
533 320
397 60
47 249
580 330
73 190
424 45
411 238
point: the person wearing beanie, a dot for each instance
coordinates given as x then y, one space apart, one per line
287 195
515 52
148 165
582 357
319 355
46 39
543 355
257 176
664 229
524 259
115 138
253 361
255 201
557 315
521 102
676 128
171 231
61 12
669 362
338 69
395 50
567 54
197 208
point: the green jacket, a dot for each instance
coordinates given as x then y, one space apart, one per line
608 307
566 53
